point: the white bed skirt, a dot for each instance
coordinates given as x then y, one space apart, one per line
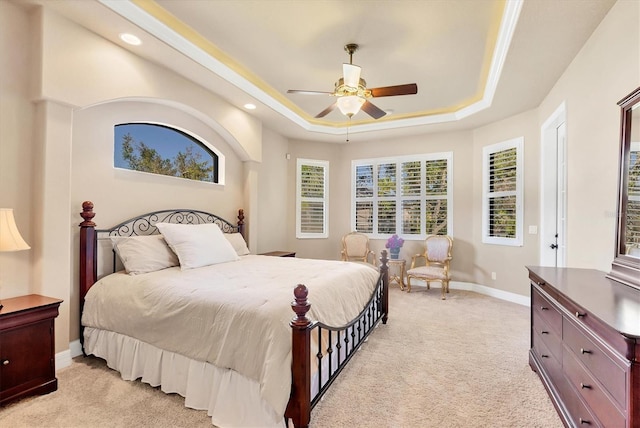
231 399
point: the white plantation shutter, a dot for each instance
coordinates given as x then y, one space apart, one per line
409 196
436 196
363 183
312 198
502 193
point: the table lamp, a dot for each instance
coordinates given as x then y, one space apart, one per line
10 238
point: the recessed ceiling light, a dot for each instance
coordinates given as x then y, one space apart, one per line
250 106
130 39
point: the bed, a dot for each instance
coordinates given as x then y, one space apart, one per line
221 334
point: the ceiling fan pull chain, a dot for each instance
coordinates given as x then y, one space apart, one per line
348 128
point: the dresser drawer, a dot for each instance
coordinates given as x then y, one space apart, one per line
549 336
578 411
547 311
611 375
550 364
591 392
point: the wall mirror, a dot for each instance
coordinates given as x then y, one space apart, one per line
626 265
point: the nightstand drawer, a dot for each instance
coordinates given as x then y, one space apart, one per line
25 355
27 362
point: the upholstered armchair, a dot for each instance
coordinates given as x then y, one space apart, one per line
437 255
355 248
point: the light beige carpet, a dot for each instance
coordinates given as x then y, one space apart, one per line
461 362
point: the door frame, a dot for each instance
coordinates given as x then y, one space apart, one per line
558 196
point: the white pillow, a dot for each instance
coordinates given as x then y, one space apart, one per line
142 254
198 245
238 243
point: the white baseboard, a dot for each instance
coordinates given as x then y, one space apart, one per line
487 291
76 348
63 359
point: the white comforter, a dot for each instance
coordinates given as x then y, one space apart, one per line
234 315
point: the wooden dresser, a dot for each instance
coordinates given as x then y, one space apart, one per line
585 345
27 361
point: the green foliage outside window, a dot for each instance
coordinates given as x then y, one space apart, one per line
166 151
632 232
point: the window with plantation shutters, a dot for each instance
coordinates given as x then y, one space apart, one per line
312 198
632 231
409 196
502 211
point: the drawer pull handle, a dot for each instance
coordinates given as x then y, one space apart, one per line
544 356
544 308
542 283
544 332
580 314
584 351
5 363
584 386
585 421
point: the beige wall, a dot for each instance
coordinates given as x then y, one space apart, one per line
604 71
16 145
511 276
273 194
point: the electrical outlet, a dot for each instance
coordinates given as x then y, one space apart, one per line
533 230
493 275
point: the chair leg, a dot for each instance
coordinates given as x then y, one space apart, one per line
444 290
408 284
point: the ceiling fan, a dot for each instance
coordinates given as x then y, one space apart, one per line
352 91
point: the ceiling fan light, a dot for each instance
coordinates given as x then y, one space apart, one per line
351 74
350 105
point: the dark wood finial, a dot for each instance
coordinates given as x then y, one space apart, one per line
384 260
240 217
300 306
87 214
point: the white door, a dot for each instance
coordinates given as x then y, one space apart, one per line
553 197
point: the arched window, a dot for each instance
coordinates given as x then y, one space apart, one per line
160 149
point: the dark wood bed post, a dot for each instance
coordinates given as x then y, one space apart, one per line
241 223
88 260
299 406
384 271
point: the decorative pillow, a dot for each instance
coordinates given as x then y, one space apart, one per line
198 245
142 254
238 243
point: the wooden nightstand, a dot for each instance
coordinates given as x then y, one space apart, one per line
280 254
27 362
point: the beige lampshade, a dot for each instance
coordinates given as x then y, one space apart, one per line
10 239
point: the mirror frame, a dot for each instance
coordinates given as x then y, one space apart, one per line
625 268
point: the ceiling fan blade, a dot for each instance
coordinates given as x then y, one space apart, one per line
388 91
301 91
372 110
351 74
326 111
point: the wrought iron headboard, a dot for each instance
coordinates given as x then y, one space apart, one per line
145 224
